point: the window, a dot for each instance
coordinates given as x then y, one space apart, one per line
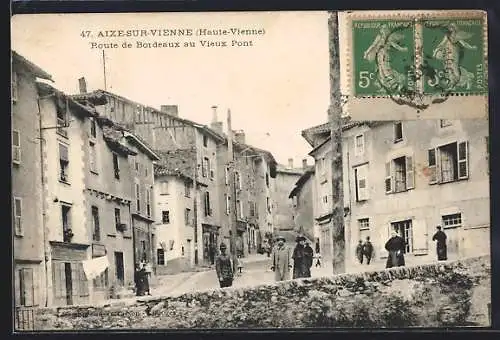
187 189
205 166
445 122
160 255
364 223
165 217
404 228
148 202
361 179
137 166
118 219
268 204
27 287
93 128
16 147
96 231
359 145
228 204
18 216
267 179
137 197
398 132
452 221
187 216
324 199
164 188
322 171
205 141
93 157
102 280
226 175
116 166
399 175
208 210
252 208
63 163
239 205
66 223
237 179
15 87
62 117
448 163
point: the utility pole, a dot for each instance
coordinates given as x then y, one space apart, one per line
195 206
232 189
104 70
334 118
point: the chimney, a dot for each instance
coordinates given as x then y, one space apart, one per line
172 110
217 127
239 136
214 114
290 163
82 83
304 164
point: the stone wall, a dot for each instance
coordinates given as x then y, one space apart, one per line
437 295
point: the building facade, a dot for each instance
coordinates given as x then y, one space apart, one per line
281 206
27 211
412 176
302 197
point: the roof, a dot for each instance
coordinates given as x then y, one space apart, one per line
290 171
98 97
323 130
34 69
266 154
114 137
142 145
301 181
179 162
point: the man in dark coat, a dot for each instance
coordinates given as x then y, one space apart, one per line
441 250
224 268
396 248
309 255
301 260
368 250
139 280
359 251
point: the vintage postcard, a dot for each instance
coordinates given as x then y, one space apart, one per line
415 64
250 170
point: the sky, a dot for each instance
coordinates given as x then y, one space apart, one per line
275 88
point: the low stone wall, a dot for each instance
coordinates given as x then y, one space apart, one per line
437 295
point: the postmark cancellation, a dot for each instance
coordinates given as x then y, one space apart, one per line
415 64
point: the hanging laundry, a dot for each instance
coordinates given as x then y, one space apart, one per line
94 267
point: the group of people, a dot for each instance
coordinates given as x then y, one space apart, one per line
303 255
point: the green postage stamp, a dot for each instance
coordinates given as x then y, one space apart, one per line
411 61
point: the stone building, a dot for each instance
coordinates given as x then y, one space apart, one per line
302 196
281 206
26 175
408 176
411 176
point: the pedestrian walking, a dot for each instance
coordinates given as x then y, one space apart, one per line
301 259
359 251
147 273
368 250
440 238
239 264
396 248
139 279
281 260
309 252
224 267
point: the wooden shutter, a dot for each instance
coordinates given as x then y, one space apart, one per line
432 166
410 173
388 177
362 183
16 146
17 287
463 160
75 283
420 237
36 288
83 286
63 152
59 279
26 278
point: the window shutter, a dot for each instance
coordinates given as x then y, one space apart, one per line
36 288
59 278
75 283
362 184
388 177
420 237
16 146
463 160
432 166
84 287
27 279
410 173
18 219
17 287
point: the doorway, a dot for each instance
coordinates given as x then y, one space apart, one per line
68 283
404 229
120 270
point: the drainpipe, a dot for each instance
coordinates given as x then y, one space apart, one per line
46 253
